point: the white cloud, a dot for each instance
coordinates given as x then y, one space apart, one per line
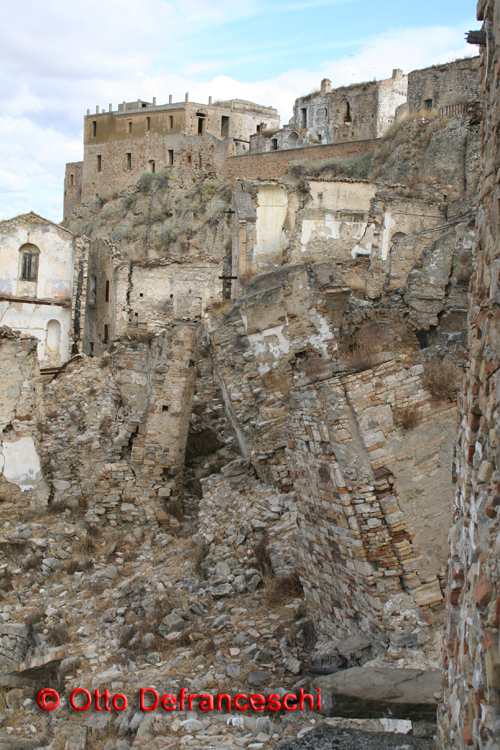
67 57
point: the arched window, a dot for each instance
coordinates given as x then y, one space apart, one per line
28 270
293 140
53 340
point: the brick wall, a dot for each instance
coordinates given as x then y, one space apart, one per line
274 164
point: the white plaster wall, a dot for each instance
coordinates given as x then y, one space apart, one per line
342 196
19 463
33 319
271 215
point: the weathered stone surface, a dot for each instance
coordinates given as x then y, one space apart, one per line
330 738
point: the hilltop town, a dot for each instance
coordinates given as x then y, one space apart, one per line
231 456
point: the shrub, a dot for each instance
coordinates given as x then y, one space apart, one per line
226 192
208 190
128 201
284 588
157 215
442 379
161 178
408 416
169 234
361 359
219 306
145 181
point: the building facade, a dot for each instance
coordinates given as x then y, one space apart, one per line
37 261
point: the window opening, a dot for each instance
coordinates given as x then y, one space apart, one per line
91 348
303 117
107 291
106 333
274 144
129 161
71 180
189 159
171 122
164 407
428 104
29 262
224 126
200 125
99 163
347 114
130 127
170 157
153 167
148 123
94 128
53 340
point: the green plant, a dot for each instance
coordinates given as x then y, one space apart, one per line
208 190
226 192
169 234
145 181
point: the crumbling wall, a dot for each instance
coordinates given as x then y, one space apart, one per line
443 85
72 186
368 490
21 408
470 713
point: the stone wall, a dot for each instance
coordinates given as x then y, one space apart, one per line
72 186
274 164
470 713
21 409
442 85
369 492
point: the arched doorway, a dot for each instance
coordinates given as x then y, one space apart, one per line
53 339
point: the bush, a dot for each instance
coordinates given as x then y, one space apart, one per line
408 417
361 359
208 190
226 192
157 215
442 379
128 201
145 182
161 178
219 306
355 167
169 234
284 588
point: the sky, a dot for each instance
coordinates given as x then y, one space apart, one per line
59 58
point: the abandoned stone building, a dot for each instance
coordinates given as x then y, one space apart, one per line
119 145
262 394
365 110
37 283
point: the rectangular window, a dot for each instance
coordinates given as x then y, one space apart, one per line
130 127
274 144
303 117
189 159
428 103
171 122
148 123
107 291
170 157
224 126
94 128
129 161
29 266
99 162
71 180
91 348
106 334
200 125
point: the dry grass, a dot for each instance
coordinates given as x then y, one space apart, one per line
220 306
408 416
442 379
361 359
277 380
57 507
281 589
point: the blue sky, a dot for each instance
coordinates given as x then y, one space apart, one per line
59 58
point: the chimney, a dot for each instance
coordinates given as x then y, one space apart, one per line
154 101
110 107
210 100
88 112
326 86
170 98
186 98
397 73
97 110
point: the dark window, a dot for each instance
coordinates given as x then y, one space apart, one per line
164 407
29 266
94 128
148 123
129 161
171 121
99 162
106 333
258 128
200 125
71 180
130 127
274 144
91 347
170 157
303 117
189 159
141 294
107 291
428 103
347 113
224 126
200 161
153 167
